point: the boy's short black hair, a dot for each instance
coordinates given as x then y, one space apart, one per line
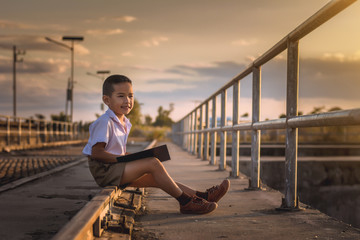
108 87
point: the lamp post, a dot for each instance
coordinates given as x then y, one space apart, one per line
70 89
16 52
103 73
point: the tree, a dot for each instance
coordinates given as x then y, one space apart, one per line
163 117
317 110
334 109
61 117
135 114
39 116
148 120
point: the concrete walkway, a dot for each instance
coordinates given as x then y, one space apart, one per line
241 214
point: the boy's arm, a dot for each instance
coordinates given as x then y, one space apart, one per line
98 153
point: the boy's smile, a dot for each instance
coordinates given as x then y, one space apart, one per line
122 99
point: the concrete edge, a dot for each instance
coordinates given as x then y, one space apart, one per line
81 226
25 180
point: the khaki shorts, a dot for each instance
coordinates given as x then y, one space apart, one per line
107 174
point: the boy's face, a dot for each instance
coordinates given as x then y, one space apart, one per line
121 100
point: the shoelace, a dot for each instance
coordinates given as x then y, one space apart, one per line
212 189
198 200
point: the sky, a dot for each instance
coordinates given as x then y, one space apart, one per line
177 52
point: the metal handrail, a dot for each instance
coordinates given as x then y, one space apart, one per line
200 139
21 133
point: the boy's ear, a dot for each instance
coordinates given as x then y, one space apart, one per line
106 99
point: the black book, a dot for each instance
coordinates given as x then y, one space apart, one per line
160 152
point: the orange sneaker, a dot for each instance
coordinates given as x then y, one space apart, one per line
198 206
217 192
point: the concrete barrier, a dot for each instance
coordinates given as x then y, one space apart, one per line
112 209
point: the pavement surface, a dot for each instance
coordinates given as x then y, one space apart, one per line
241 214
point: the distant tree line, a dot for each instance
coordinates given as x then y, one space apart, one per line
162 119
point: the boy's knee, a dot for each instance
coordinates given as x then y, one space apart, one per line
155 162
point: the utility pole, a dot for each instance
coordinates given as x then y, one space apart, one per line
16 52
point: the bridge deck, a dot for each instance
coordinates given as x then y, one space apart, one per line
241 214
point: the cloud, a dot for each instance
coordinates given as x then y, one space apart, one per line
221 70
127 54
167 81
245 42
106 32
36 43
26 42
319 78
80 49
31 66
6 24
154 42
125 19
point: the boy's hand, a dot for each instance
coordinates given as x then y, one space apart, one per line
98 153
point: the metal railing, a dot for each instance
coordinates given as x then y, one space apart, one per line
22 133
199 137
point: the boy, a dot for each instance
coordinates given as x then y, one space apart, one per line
108 136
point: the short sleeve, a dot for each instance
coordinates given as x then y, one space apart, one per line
99 132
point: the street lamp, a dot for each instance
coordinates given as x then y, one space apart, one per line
16 52
70 95
103 73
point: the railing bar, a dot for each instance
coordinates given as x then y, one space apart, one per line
291 149
213 134
255 135
223 134
201 136
195 134
319 18
235 134
336 118
206 134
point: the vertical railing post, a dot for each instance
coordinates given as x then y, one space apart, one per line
46 139
191 132
8 131
206 135
201 135
291 149
195 134
255 135
51 131
213 134
188 135
223 134
235 134
19 131
29 132
38 131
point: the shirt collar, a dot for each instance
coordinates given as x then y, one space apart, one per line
112 115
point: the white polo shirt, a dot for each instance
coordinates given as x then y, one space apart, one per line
108 129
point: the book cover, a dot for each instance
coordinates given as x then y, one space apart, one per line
160 152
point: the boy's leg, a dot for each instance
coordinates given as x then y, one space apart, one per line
148 180
135 170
